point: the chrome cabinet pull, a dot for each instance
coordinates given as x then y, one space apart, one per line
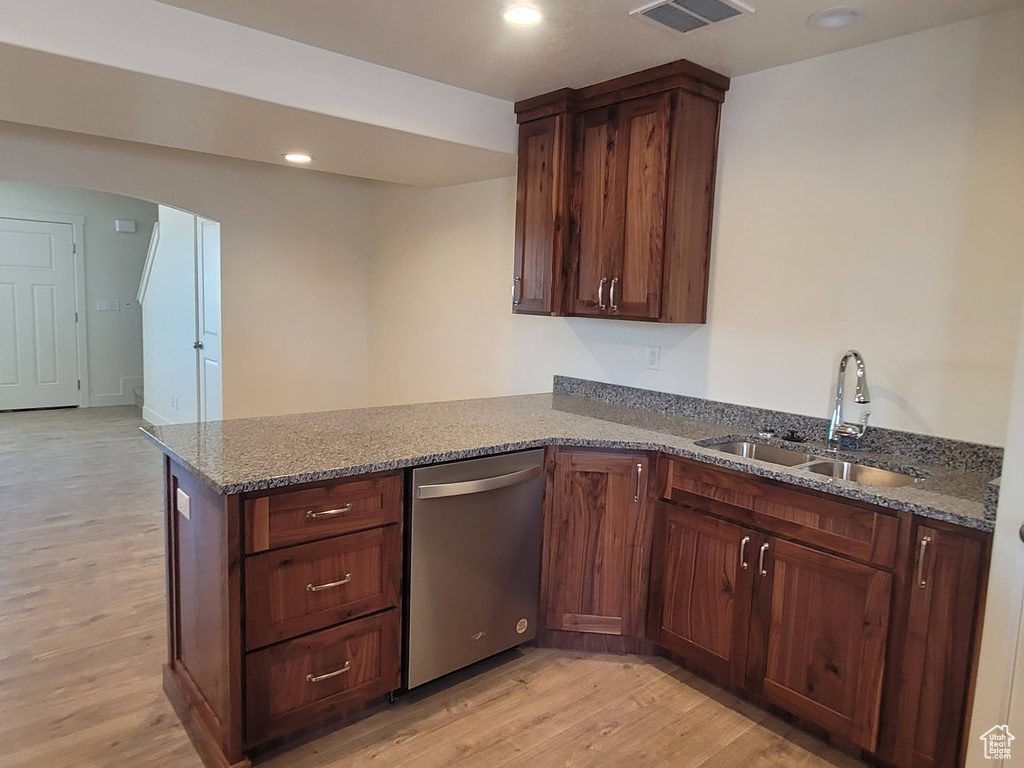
615 307
743 552
760 559
600 293
920 561
328 675
329 585
517 295
639 478
329 512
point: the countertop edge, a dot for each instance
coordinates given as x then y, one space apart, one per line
841 489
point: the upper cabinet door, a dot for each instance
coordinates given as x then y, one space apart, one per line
701 580
598 200
595 563
540 216
636 280
818 636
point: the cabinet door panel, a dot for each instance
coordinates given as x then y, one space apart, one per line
826 625
598 199
937 656
701 590
638 274
539 216
594 550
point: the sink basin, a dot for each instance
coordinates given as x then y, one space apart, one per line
859 473
768 453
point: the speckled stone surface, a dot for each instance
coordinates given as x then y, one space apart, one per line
247 455
992 498
954 454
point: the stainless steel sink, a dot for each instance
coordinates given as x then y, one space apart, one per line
859 473
768 453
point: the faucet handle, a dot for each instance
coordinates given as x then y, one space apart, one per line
863 425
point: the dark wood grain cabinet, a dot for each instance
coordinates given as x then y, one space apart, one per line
615 197
835 612
595 551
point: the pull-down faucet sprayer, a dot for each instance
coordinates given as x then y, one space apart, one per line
838 428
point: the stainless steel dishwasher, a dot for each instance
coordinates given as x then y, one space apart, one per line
474 561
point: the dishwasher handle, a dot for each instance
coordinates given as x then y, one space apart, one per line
483 485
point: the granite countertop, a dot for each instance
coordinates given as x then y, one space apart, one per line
245 455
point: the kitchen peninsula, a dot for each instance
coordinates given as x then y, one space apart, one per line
709 553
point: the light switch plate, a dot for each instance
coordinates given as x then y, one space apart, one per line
125 225
184 504
108 305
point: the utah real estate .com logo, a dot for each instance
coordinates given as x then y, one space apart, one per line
997 743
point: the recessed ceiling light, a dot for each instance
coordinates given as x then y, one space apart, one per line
300 158
831 18
523 15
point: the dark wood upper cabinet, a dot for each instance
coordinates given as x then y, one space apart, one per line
615 197
701 582
595 549
541 203
818 635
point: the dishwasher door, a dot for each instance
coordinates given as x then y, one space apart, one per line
474 561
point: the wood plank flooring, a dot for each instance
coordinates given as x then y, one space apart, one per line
82 638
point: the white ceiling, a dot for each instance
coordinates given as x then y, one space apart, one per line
43 89
466 43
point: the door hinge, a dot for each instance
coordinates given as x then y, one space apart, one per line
74 247
76 317
79 384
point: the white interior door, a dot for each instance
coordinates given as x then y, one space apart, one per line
209 336
38 337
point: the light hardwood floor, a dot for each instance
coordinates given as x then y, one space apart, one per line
82 638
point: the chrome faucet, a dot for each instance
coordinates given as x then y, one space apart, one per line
838 429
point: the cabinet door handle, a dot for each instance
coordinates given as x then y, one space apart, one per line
327 676
329 585
743 552
329 512
639 478
920 561
600 293
611 292
760 559
517 294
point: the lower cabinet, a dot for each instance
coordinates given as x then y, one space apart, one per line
938 657
803 629
595 543
818 635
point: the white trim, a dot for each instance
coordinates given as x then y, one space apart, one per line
77 223
154 418
154 241
125 397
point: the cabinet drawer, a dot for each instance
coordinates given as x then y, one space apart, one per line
852 530
283 519
319 677
304 588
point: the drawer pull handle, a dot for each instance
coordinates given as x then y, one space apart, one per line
920 561
600 293
639 479
760 559
329 512
329 675
329 585
743 552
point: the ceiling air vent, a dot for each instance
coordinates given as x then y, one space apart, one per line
687 15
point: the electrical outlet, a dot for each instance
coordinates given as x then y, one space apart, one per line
653 358
174 402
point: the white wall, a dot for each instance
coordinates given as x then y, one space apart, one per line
169 322
113 265
870 198
294 251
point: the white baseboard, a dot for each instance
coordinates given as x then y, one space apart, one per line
124 397
154 418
